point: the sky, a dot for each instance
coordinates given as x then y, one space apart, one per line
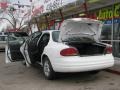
24 2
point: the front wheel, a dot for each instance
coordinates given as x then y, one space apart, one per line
48 70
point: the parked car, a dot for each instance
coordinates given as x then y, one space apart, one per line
73 48
3 38
11 36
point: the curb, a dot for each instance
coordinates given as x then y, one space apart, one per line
113 71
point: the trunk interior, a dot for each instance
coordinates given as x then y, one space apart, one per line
89 49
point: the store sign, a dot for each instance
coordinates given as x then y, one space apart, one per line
107 13
44 6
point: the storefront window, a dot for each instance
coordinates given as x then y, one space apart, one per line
116 43
106 33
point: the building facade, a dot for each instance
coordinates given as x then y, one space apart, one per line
51 15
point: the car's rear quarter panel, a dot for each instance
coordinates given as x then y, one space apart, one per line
76 63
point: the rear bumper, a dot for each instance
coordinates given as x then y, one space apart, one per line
81 64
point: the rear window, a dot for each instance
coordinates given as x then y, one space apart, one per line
21 34
55 35
106 32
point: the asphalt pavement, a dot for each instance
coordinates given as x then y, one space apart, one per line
15 76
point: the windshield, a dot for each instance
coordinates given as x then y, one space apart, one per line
55 35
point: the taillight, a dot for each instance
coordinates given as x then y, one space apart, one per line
69 52
108 50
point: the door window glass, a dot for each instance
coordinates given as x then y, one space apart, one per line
35 40
44 40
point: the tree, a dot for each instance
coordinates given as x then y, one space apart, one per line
14 17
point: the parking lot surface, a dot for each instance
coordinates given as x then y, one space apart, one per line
15 76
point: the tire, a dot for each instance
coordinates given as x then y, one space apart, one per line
48 70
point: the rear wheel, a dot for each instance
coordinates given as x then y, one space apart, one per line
48 70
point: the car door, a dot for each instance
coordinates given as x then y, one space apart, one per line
42 43
32 46
13 49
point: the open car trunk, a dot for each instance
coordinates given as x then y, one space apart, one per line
73 29
89 49
83 34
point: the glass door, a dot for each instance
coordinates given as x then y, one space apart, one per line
116 41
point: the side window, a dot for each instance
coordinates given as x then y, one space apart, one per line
34 35
35 40
44 40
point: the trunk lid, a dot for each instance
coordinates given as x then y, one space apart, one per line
80 29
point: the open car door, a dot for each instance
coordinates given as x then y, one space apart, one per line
13 49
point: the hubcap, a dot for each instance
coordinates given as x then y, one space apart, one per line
46 68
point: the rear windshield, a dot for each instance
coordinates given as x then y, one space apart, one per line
55 35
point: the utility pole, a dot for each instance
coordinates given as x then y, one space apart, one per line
85 7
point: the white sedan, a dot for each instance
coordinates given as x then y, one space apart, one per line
73 48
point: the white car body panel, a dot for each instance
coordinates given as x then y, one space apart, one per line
75 63
79 64
80 27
